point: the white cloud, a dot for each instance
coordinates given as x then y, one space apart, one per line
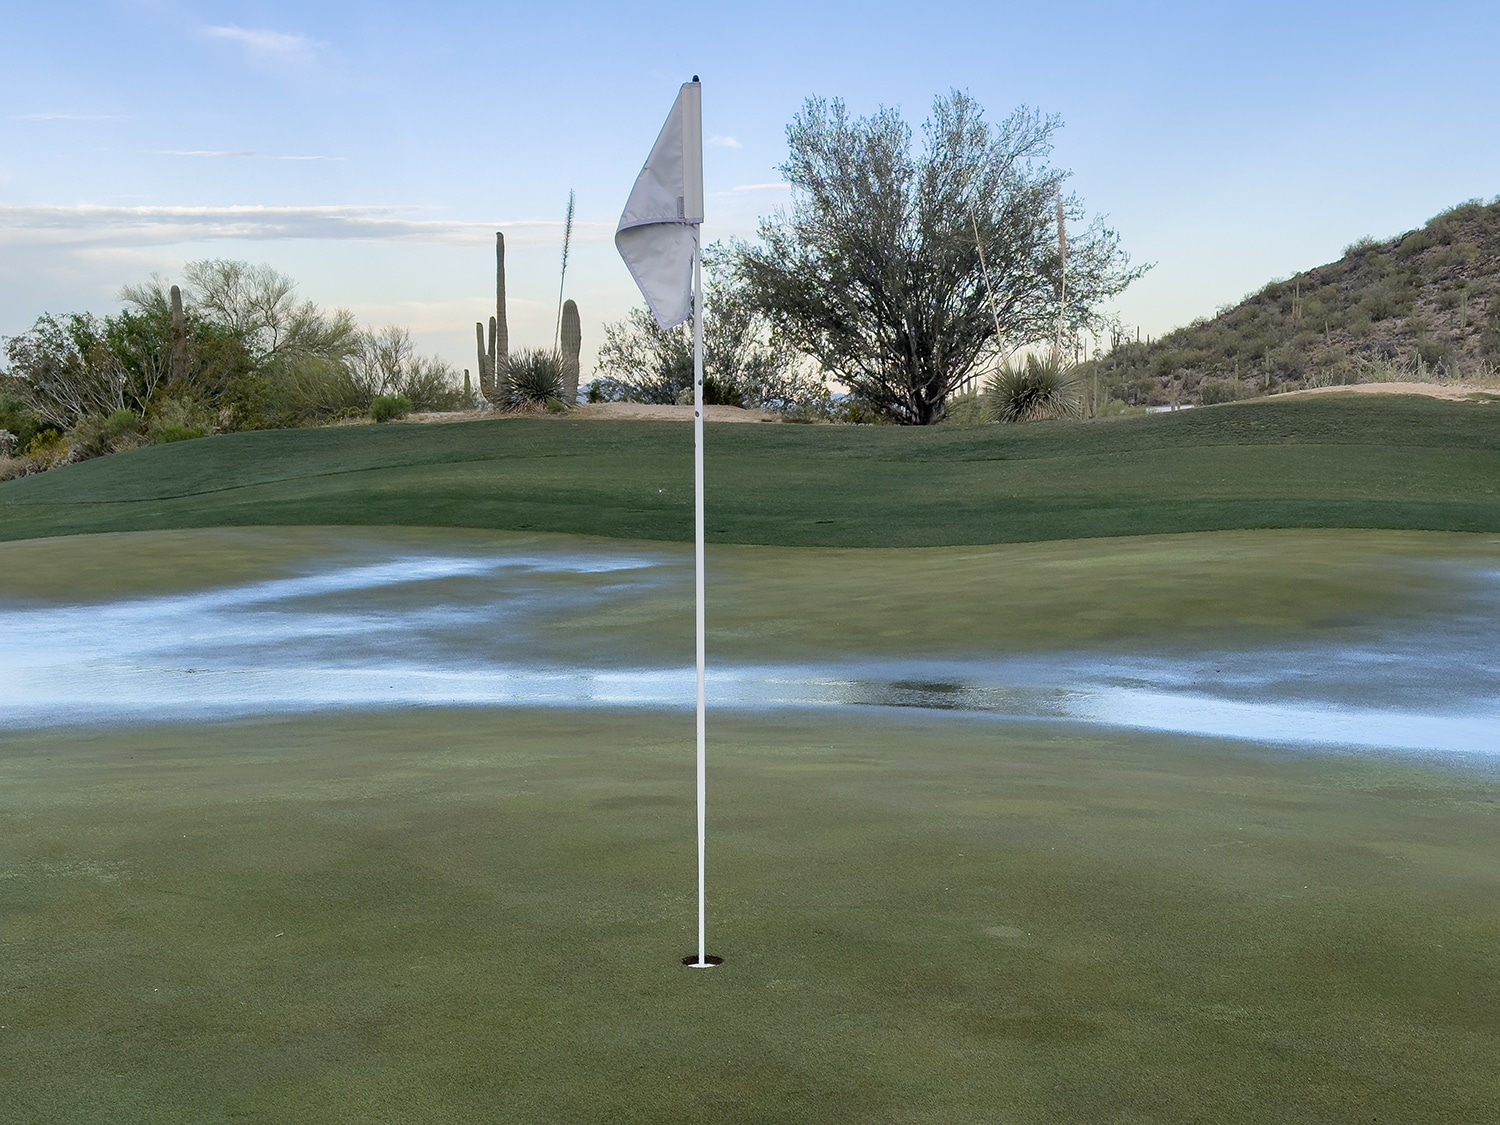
721 141
103 225
200 152
214 154
69 117
762 187
262 43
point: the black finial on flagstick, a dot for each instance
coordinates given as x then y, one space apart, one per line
695 78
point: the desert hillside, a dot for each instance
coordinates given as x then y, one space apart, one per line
1419 306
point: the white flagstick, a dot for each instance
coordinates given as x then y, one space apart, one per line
703 962
658 236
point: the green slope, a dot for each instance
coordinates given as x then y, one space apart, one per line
1326 461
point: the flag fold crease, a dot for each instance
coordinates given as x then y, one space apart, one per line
658 231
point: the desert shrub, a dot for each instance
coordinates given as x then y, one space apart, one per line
168 434
1456 254
46 450
851 410
804 416
965 410
1378 304
533 380
94 436
17 418
386 363
317 389
1489 341
386 408
1037 389
1431 352
1214 391
1415 242
1288 361
716 392
431 385
178 418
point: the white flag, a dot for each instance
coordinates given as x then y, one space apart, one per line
658 229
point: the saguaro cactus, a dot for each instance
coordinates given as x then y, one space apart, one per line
494 351
177 359
502 330
486 360
572 342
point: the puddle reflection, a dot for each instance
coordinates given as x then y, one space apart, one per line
449 630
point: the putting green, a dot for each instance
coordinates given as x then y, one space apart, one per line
465 916
447 915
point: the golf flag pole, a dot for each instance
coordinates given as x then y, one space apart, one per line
658 237
703 961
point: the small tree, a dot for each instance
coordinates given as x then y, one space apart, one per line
901 275
63 370
744 363
387 364
253 350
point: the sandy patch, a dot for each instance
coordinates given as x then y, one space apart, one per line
1454 392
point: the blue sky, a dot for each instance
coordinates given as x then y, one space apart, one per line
371 149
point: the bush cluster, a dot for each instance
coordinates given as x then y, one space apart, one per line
1036 389
238 352
387 408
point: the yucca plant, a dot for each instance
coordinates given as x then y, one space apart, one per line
533 379
1041 387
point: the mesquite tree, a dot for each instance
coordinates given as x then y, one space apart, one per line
902 274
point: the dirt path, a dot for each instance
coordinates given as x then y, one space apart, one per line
1454 392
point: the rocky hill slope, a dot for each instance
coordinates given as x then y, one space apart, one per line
1422 305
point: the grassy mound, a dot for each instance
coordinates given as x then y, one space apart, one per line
1330 461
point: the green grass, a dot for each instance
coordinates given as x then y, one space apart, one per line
454 916
1329 461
